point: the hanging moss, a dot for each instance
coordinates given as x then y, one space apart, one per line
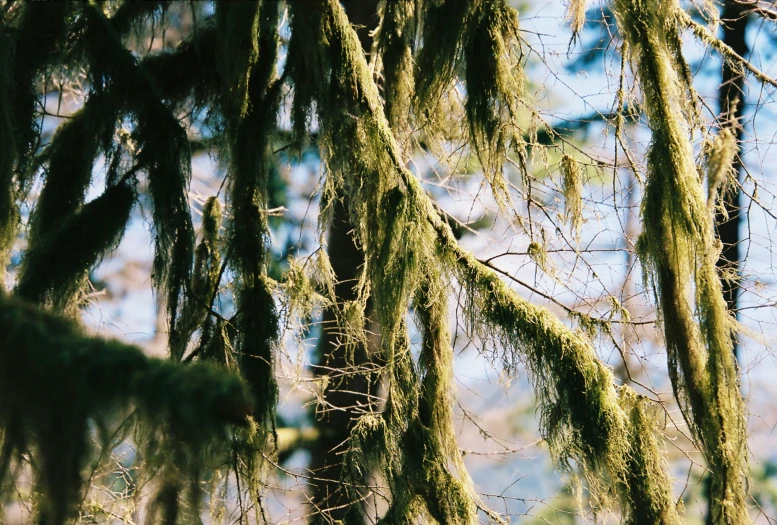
205 276
188 70
678 250
9 213
54 268
40 32
70 158
79 378
444 35
494 86
304 62
576 16
394 46
720 157
572 188
648 494
249 170
237 49
164 152
580 414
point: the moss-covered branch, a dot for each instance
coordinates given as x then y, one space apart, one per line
580 411
250 101
54 380
679 251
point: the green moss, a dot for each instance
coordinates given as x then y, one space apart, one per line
81 377
648 497
494 86
9 213
237 49
250 165
204 285
395 42
572 188
54 268
580 413
719 156
679 252
70 159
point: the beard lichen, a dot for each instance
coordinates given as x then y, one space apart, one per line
9 212
249 168
572 188
55 267
678 249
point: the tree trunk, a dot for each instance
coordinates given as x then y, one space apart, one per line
732 104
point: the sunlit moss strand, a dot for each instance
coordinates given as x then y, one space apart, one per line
9 213
576 16
648 497
237 48
87 377
250 164
395 42
678 248
54 267
443 25
448 491
572 188
494 85
719 160
304 63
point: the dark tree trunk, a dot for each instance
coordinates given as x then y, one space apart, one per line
732 103
349 392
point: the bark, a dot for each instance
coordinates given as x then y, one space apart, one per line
732 104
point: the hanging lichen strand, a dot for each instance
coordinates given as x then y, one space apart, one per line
250 103
164 151
205 276
82 379
481 38
9 214
46 277
678 249
581 415
394 46
394 244
55 266
25 51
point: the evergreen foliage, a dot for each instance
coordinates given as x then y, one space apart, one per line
209 410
